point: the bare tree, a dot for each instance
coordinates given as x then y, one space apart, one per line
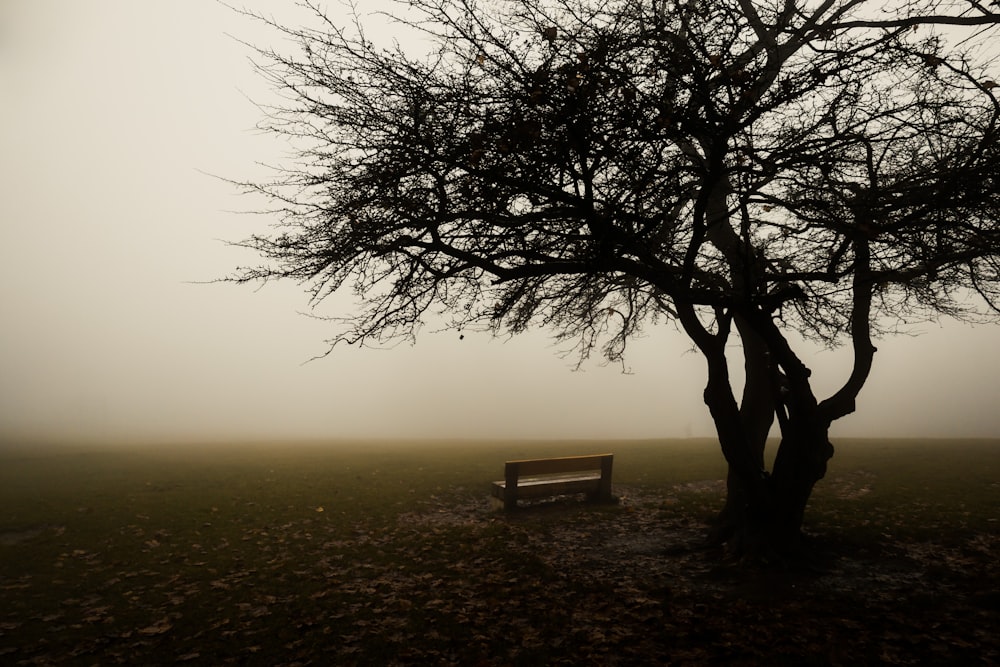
746 169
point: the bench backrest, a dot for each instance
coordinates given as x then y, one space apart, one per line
565 464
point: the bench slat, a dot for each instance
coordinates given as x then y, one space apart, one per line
529 467
557 487
541 481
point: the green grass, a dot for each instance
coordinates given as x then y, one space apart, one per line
242 553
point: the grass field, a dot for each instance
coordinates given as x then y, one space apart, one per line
392 553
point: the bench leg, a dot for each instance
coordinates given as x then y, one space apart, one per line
510 486
605 492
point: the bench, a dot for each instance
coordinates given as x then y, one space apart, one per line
542 478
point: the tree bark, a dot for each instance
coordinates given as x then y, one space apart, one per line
763 521
756 418
800 462
749 506
763 515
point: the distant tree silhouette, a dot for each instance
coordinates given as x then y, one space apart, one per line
746 169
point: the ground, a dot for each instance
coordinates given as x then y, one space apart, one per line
645 590
318 558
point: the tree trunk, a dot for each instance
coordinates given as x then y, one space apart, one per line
767 527
756 417
763 514
749 502
801 462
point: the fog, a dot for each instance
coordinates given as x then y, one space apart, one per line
115 114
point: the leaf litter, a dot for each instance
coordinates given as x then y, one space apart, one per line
455 581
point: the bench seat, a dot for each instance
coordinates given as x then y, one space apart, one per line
541 478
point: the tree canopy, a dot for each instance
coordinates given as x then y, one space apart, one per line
744 168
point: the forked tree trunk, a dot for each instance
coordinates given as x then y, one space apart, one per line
763 521
763 514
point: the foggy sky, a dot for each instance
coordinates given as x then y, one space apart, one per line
114 113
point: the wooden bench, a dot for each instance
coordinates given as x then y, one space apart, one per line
542 478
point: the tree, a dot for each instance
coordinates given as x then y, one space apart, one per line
749 170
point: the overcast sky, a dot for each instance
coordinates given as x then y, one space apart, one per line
113 113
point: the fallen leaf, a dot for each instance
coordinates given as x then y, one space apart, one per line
158 628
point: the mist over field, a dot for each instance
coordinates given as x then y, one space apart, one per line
117 115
